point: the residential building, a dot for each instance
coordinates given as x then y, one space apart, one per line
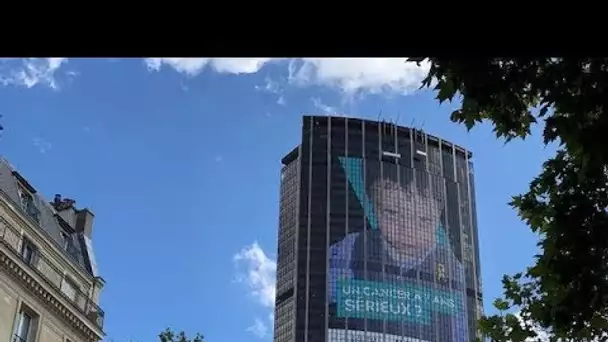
377 236
49 284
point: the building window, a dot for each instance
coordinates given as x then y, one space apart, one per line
66 240
27 203
26 198
68 245
29 252
25 326
69 288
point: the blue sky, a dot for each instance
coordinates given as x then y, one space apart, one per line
180 159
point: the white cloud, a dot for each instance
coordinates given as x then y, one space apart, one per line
259 328
184 86
281 100
324 108
28 72
356 75
272 87
258 272
269 86
42 145
193 66
349 75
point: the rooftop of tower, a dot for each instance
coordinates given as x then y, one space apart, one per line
432 139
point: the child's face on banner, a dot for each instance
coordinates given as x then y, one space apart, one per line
407 218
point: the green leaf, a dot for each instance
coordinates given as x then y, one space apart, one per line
446 91
169 336
501 305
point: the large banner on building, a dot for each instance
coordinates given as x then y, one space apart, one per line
338 335
393 271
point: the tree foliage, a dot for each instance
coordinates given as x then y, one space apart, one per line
565 291
169 336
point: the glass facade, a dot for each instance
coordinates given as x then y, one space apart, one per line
285 303
377 237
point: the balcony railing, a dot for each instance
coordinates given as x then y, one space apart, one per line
46 269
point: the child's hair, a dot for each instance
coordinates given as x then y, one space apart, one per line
377 172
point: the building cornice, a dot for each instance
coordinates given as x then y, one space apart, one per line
47 294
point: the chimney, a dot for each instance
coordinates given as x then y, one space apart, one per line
65 209
84 222
68 203
57 200
62 203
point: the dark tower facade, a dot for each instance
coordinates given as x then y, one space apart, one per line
378 236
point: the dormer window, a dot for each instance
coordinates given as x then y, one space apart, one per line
66 240
26 197
28 205
68 245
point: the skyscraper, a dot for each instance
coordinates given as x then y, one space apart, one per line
377 237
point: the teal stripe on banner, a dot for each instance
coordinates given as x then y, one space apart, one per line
354 172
